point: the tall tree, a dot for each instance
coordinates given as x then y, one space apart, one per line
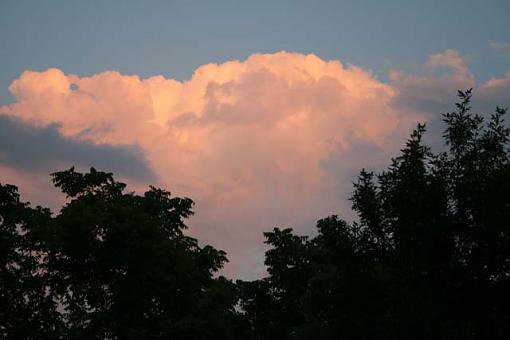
427 258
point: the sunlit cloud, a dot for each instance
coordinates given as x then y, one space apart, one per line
434 89
272 140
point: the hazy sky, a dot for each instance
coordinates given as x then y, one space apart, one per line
261 111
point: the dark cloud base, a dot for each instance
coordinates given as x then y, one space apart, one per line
31 148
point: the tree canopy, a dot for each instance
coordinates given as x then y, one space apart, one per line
110 265
428 256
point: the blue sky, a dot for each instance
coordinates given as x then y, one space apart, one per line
172 38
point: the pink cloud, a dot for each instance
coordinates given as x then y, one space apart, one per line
450 59
251 141
429 92
496 91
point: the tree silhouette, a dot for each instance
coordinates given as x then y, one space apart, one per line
118 266
26 310
428 257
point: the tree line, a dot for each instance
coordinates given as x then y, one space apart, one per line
427 258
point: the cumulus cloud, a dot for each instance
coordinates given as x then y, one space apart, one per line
271 140
433 90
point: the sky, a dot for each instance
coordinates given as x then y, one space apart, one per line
263 112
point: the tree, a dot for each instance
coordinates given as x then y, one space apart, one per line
427 258
26 308
115 266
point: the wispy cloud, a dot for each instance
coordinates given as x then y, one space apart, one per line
503 48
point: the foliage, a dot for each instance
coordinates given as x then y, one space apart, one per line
26 309
428 258
115 266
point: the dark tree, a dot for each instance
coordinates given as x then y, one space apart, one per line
27 310
115 266
428 258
